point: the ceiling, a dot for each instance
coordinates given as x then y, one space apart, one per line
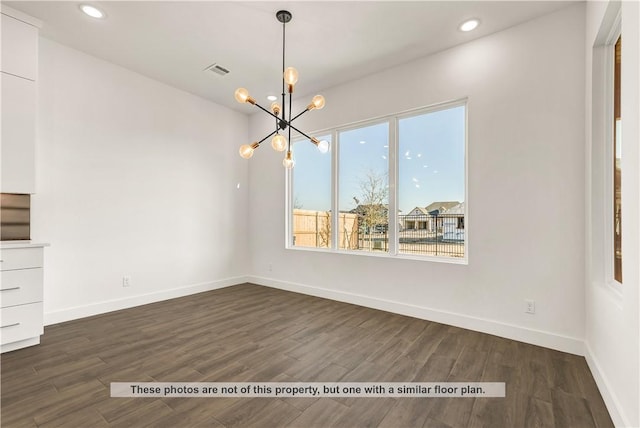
328 42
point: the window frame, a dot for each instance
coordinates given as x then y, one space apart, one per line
393 167
609 155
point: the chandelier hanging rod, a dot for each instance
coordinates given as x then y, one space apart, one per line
284 16
279 112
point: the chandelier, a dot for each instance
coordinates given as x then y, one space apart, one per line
283 122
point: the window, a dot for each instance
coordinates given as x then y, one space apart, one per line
364 187
431 182
617 163
311 190
397 185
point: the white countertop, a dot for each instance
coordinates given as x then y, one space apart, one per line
22 244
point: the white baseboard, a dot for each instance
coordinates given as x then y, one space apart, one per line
608 394
509 331
98 308
558 342
536 337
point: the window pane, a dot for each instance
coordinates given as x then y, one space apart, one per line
617 162
431 179
364 188
311 197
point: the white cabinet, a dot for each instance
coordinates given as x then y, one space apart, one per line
18 134
19 47
19 69
21 294
21 286
21 326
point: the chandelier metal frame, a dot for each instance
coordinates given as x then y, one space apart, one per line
279 111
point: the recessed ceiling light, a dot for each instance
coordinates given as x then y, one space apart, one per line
272 98
92 11
469 25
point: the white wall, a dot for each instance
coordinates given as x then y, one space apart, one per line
138 178
612 333
525 89
133 178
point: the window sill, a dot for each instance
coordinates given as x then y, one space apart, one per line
385 255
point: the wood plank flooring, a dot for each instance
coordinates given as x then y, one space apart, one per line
249 333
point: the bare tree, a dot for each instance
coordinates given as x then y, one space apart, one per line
297 205
325 230
373 211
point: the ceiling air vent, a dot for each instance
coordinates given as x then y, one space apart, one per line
217 69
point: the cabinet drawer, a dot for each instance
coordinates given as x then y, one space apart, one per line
20 258
18 287
21 322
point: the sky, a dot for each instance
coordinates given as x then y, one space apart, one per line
430 168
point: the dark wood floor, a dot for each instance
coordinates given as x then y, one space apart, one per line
249 333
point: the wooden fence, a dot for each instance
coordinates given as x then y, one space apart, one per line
313 229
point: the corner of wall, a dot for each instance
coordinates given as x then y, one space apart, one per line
608 393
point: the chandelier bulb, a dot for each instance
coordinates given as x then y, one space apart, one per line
317 102
275 108
290 76
246 150
279 143
242 96
288 161
323 146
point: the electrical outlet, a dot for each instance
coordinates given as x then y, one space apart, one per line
530 306
270 267
126 281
